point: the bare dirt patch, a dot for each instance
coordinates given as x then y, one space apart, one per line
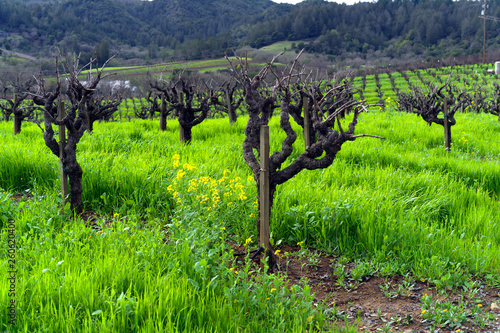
365 304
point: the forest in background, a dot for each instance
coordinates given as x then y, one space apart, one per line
162 30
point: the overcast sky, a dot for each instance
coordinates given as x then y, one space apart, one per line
349 2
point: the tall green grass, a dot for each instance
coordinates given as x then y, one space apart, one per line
127 278
403 201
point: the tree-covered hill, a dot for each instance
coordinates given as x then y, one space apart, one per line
163 23
190 29
447 28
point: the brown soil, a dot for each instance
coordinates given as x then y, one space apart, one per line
18 197
366 305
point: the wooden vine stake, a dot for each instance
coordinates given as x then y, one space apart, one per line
265 209
17 121
307 123
163 118
126 108
62 144
182 137
229 110
447 129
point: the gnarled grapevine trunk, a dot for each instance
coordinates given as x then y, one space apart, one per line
435 106
325 144
83 111
182 97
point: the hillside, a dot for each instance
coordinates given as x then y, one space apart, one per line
154 31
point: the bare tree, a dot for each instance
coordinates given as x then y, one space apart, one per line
157 104
191 105
18 105
82 112
226 101
327 141
436 105
478 99
154 103
141 109
101 108
492 105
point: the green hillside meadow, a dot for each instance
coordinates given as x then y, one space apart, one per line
168 213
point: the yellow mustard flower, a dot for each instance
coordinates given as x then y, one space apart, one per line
180 174
189 167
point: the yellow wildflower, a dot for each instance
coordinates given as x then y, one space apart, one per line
204 198
193 186
248 241
189 167
215 198
277 252
273 289
180 174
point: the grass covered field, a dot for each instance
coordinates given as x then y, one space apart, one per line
168 67
167 214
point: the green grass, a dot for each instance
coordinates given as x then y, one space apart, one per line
124 278
280 46
199 65
72 278
168 211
